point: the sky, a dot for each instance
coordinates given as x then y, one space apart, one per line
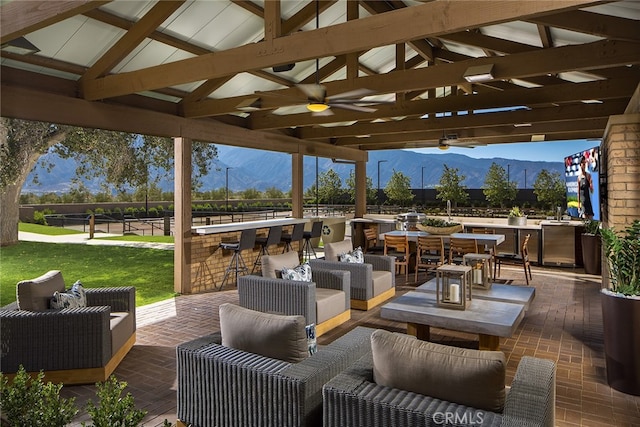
549 151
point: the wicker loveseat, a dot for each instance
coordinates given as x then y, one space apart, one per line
356 397
80 345
220 385
372 282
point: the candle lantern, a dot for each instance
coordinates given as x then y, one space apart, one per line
453 286
480 270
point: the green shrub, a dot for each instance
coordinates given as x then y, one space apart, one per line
113 409
99 211
153 212
28 402
38 218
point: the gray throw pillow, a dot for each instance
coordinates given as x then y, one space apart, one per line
270 335
468 377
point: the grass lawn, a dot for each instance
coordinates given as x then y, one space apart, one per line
136 238
45 229
149 270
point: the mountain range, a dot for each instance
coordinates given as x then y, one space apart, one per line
263 169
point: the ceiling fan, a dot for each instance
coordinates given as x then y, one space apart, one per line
451 140
320 104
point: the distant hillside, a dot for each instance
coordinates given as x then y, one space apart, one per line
263 169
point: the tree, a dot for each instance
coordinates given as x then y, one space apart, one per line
398 189
120 159
451 188
549 188
351 188
329 187
274 193
497 189
251 194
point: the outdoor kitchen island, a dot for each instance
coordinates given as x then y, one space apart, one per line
209 261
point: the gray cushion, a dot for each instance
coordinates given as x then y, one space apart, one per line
272 265
122 327
34 294
469 377
332 251
270 335
329 303
382 281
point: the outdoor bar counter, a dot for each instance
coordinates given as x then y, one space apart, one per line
209 261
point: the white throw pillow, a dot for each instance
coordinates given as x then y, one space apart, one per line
355 256
73 298
301 273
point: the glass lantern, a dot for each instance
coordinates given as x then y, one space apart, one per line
480 270
453 286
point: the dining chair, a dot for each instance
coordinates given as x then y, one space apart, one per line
516 259
430 253
458 247
371 244
398 247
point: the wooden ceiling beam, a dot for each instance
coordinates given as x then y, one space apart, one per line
596 24
545 128
378 30
35 105
132 38
18 18
548 114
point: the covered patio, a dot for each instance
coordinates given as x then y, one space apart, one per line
386 75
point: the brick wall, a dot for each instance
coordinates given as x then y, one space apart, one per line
621 204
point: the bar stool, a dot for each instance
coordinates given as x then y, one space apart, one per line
296 235
237 264
272 238
307 248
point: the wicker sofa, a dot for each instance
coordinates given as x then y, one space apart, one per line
372 282
222 386
356 398
80 345
325 301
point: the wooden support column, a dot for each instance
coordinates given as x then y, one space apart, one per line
182 203
297 184
361 189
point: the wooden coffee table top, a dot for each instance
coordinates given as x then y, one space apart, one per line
498 292
480 317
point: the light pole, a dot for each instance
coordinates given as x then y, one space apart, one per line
508 173
422 186
378 193
226 189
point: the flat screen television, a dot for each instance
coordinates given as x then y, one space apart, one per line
583 195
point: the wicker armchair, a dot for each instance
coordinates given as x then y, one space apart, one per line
222 386
74 345
372 283
325 301
354 399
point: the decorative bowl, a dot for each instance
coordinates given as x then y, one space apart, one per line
440 230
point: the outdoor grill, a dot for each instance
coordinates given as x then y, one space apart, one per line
409 221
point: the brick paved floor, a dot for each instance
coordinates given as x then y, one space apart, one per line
564 324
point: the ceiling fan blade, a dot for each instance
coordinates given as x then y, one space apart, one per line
359 108
313 91
356 93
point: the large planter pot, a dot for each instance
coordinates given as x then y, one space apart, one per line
591 253
520 221
621 318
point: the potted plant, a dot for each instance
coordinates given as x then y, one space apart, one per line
516 217
591 247
439 226
621 308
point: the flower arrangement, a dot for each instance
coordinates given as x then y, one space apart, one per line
515 212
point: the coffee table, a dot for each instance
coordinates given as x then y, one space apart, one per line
498 292
489 319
